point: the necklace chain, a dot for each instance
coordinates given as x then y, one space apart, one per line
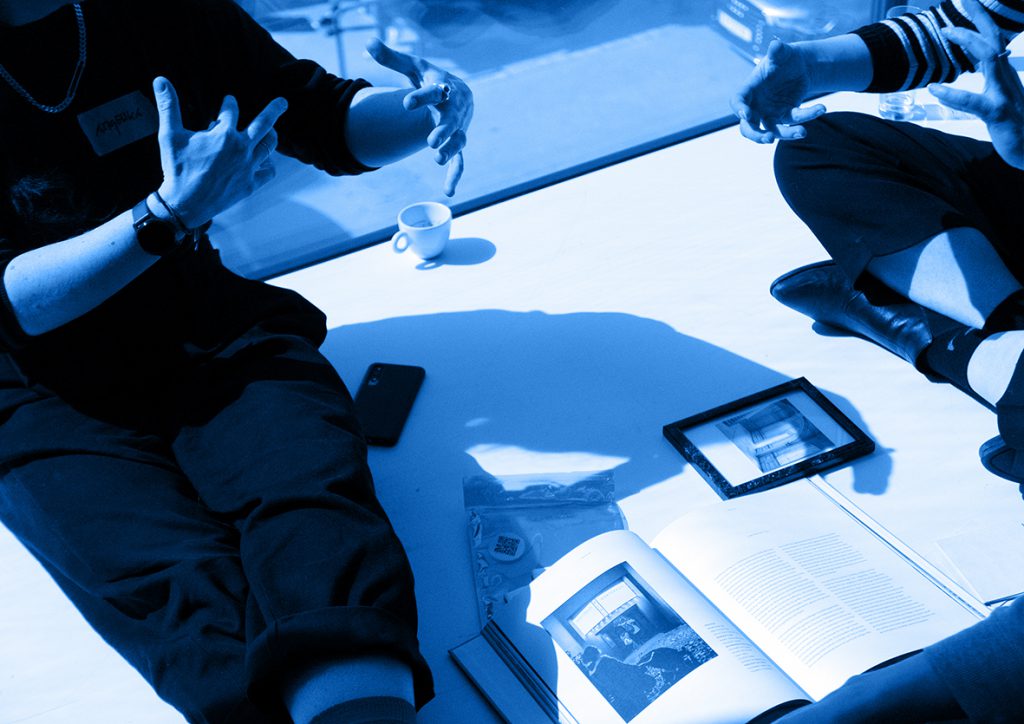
72 87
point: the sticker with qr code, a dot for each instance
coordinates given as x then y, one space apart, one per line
508 547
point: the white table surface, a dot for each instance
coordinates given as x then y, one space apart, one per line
612 304
560 331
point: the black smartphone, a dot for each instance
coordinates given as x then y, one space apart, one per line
384 399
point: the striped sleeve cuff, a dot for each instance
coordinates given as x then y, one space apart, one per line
911 51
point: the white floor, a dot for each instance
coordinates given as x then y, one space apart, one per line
559 332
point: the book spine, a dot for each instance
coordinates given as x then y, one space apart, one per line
527 675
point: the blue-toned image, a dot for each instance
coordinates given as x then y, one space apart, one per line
775 435
630 644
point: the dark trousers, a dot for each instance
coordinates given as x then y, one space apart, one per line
212 515
868 187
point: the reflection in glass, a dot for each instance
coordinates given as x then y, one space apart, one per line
560 88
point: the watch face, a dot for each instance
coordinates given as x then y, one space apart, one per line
154 235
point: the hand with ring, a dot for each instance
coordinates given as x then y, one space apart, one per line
1001 104
448 98
207 172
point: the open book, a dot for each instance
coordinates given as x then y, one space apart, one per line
739 608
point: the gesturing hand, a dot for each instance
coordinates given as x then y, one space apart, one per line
768 103
448 98
206 172
1001 103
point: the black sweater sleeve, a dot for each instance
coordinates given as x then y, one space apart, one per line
233 53
208 48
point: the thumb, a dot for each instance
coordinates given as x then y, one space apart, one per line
392 59
777 51
167 106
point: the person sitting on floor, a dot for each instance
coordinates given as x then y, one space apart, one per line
922 225
174 449
924 231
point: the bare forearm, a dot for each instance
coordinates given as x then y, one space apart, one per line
380 130
54 284
839 63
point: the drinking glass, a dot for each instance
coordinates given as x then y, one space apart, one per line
898 106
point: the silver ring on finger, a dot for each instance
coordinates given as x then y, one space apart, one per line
263 149
446 92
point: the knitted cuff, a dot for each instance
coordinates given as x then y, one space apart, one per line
371 710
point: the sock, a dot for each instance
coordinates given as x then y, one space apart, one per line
949 354
1008 314
371 710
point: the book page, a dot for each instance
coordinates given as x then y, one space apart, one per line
810 585
989 558
626 639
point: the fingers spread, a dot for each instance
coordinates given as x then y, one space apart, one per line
749 131
977 46
452 146
266 146
429 95
777 51
982 20
440 134
791 133
960 100
263 123
454 174
803 115
739 107
167 105
399 62
229 112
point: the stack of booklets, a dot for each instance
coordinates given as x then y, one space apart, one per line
736 609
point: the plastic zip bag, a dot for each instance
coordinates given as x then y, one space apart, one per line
520 524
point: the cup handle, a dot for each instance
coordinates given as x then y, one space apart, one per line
396 241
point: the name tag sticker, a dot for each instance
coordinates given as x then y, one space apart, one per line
122 121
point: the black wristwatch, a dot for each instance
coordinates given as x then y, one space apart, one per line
155 235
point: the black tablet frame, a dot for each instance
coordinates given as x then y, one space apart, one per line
861 444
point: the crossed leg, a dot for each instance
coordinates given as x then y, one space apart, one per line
935 218
959 274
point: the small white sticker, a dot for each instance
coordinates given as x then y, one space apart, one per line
119 122
508 547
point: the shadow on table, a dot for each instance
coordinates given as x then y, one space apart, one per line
599 383
461 251
566 390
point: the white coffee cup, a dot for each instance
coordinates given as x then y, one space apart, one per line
423 228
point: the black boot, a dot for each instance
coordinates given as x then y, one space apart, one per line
825 294
1003 455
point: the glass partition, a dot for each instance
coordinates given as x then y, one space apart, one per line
561 88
